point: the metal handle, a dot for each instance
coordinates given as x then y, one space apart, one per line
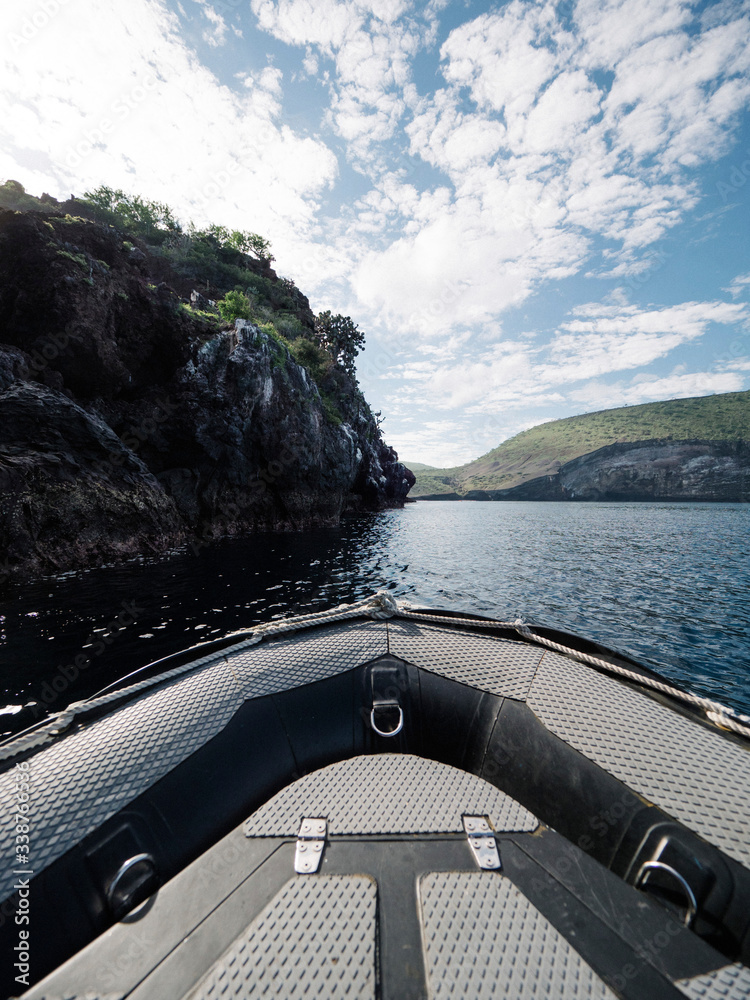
692 907
393 732
121 873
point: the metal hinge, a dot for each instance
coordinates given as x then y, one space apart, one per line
310 842
482 842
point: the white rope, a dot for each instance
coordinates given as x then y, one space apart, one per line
379 606
720 715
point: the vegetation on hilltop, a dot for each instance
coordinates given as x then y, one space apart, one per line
541 450
230 268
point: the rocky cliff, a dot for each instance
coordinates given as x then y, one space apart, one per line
643 470
131 423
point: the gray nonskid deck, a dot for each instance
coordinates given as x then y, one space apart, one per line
316 938
483 938
502 667
86 777
388 794
732 982
89 775
79 782
294 660
695 775
392 825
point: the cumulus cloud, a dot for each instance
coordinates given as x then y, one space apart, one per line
372 44
598 340
216 33
139 111
561 141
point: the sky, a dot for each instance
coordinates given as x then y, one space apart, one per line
531 209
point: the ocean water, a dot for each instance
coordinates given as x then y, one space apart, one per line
668 584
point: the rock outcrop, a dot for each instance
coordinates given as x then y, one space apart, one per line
130 424
663 470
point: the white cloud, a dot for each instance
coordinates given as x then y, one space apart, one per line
599 395
738 285
610 29
138 111
675 96
544 161
372 45
216 34
502 57
598 340
310 62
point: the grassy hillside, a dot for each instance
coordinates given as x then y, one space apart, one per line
541 450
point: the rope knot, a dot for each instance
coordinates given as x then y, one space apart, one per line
522 628
381 605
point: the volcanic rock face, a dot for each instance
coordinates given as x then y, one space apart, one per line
661 470
644 470
72 493
128 424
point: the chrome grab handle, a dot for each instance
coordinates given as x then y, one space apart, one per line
393 732
122 872
692 907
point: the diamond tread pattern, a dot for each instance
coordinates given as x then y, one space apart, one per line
291 661
732 982
695 775
388 793
88 776
499 666
316 938
483 938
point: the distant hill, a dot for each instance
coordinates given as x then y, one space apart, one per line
544 449
420 467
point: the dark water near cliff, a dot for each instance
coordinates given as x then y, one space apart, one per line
666 583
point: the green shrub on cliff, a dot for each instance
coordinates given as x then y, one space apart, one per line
234 305
14 196
341 337
312 357
153 220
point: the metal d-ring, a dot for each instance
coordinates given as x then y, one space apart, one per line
393 732
692 907
122 872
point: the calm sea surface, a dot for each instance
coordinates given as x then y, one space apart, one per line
666 583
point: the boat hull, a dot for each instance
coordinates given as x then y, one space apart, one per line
393 732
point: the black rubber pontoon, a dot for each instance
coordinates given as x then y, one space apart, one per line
479 811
